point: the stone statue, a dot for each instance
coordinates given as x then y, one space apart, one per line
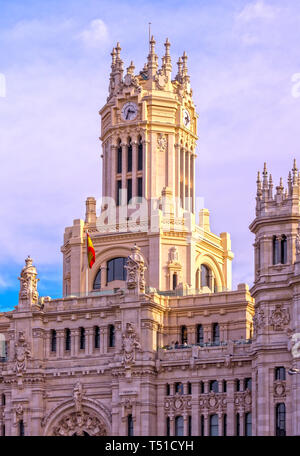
78 396
28 283
22 353
129 345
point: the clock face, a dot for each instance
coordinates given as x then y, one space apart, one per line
129 111
186 118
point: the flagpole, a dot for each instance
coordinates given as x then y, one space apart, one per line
87 267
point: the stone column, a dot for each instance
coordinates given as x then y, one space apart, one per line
124 165
184 177
60 342
47 344
220 423
206 423
188 180
134 168
113 172
242 422
230 408
195 408
74 337
103 336
172 389
185 424
172 425
206 386
177 173
89 341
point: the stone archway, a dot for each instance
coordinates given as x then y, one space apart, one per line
80 424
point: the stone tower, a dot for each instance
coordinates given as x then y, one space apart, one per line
276 291
148 134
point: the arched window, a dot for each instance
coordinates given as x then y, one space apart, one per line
200 334
129 156
214 386
67 339
213 425
216 333
179 426
111 336
129 426
140 154
283 249
280 420
82 339
184 335
119 157
53 340
97 281
21 428
96 337
248 424
3 399
174 280
205 276
115 269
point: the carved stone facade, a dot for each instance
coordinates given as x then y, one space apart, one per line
155 341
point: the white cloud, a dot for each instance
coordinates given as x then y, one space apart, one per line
4 283
96 34
257 10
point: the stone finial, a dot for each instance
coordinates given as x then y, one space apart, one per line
118 50
28 294
295 173
258 182
113 57
135 267
270 187
184 63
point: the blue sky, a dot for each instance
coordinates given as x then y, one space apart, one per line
55 57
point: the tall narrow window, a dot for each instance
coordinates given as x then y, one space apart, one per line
280 420
119 158
53 340
129 190
140 154
248 383
237 385
179 388
213 425
111 332
280 373
200 334
224 386
248 424
3 400
189 425
184 334
3 430
179 426
202 425
168 389
96 337
21 428
140 187
97 281
168 426
82 339
189 388
174 281
67 339
129 426
225 425
283 249
119 187
237 424
276 250
129 156
216 333
214 386
201 387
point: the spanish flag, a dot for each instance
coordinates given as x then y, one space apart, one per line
90 251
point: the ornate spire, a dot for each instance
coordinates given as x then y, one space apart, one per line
131 68
295 173
270 187
184 64
152 58
113 58
290 183
258 182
